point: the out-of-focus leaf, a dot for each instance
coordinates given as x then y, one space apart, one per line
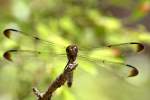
21 10
87 67
145 37
68 95
67 24
109 23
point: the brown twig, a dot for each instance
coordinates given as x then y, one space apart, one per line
58 82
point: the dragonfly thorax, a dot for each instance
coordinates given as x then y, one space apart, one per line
72 51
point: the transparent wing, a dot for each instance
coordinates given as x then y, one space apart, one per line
111 59
122 49
94 66
88 62
15 54
33 42
37 62
139 46
57 62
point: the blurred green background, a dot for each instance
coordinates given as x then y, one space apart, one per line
91 24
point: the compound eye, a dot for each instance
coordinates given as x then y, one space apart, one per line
75 49
67 50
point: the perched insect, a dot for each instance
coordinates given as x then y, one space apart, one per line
73 53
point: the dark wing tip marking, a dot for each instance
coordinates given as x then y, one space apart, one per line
133 72
7 32
7 55
140 47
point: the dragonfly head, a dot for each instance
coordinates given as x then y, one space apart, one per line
72 51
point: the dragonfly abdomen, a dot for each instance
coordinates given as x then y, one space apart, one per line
69 79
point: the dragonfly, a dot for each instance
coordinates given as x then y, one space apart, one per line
73 53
